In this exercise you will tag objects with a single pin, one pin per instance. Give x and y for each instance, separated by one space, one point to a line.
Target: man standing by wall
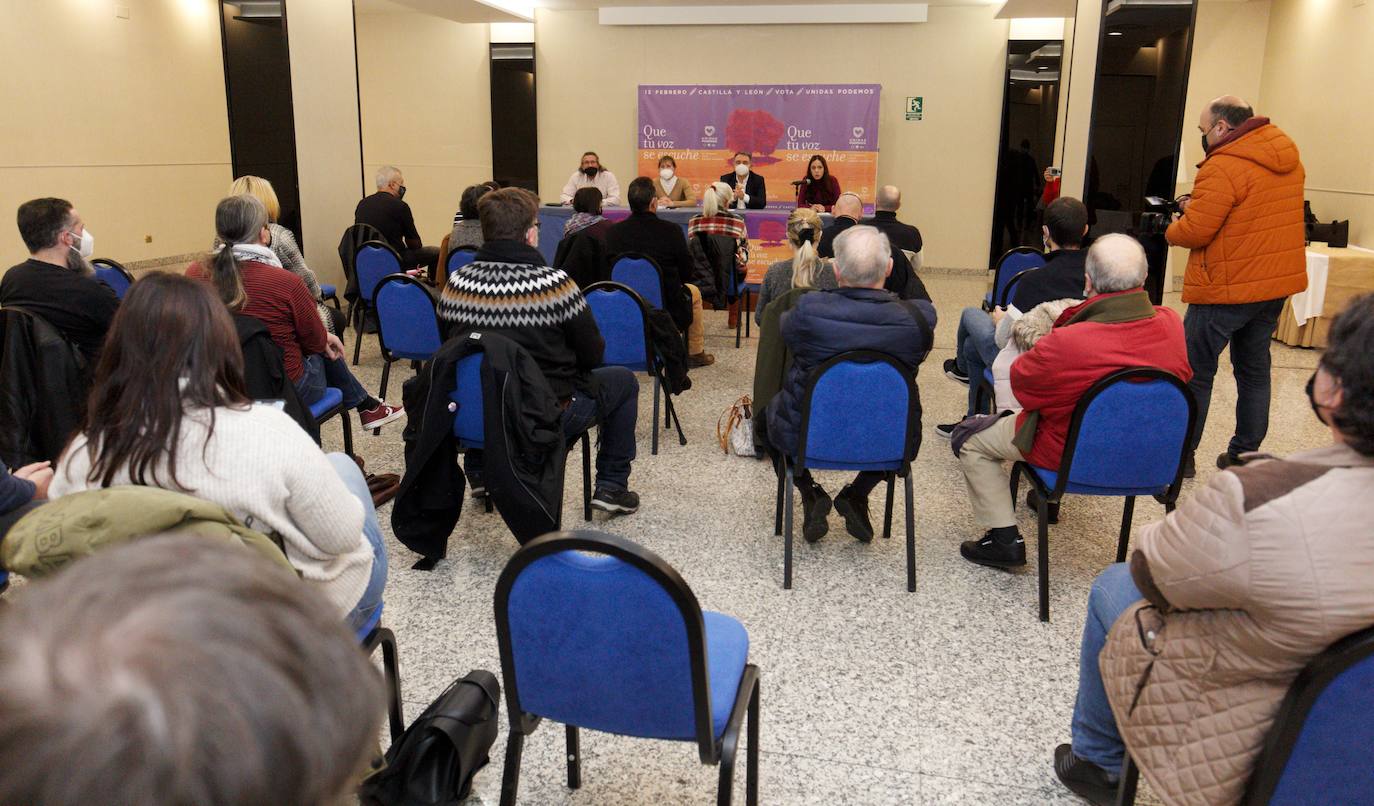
1244 225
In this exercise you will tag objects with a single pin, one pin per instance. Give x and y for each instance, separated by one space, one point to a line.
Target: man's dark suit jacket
753 188
663 241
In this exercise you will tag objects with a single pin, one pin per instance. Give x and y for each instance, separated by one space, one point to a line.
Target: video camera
1155 221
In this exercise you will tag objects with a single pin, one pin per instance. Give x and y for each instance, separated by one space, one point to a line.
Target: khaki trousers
696 332
989 487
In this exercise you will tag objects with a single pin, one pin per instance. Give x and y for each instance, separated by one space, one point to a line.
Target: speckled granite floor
871 695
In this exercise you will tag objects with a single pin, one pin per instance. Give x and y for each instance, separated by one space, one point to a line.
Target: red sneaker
380 416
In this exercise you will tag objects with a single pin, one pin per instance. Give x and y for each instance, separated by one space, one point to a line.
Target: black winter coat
266 376
44 380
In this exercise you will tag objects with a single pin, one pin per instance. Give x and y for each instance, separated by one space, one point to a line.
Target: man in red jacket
1116 328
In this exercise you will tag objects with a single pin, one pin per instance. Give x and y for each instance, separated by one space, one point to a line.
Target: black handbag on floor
433 762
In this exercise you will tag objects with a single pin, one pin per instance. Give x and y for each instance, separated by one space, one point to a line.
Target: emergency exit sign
915 107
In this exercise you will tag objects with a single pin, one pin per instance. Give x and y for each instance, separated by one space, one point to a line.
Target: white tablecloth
1309 304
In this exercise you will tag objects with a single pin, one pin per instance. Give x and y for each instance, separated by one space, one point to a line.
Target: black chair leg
347 432
391 669
386 376
586 477
1043 555
574 758
670 417
887 513
358 326
751 761
777 501
1015 483
1125 539
910 535
744 312
1130 779
729 746
787 527
510 776
654 444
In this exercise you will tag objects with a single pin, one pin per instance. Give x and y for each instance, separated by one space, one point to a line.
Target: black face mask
401 192
1205 146
590 171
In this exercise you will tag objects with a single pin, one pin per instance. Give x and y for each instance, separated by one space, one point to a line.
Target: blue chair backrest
405 312
373 262
459 258
835 438
112 277
467 422
1326 727
598 643
641 275
1012 264
1131 435
621 322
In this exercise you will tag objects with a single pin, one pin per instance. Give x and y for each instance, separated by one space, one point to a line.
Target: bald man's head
849 205
889 199
1115 263
1223 116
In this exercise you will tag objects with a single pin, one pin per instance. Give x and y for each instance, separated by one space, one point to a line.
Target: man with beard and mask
57 282
590 174
1244 225
386 211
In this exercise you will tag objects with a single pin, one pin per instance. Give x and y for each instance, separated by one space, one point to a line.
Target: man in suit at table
748 187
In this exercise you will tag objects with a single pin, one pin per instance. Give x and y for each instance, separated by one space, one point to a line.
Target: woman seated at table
169 409
804 269
719 271
818 190
670 189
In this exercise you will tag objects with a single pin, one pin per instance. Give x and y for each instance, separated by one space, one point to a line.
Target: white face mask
665 174
87 247
741 170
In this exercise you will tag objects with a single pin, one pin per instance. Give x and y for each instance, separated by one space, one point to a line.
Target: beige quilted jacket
1251 577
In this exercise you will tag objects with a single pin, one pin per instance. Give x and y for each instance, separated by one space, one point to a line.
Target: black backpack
433 762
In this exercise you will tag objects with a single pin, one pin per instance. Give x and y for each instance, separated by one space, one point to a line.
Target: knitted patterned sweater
508 290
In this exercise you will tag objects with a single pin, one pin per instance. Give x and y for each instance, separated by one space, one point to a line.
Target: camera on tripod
1157 219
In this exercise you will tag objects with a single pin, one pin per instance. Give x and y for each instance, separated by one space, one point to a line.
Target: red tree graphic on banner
755 131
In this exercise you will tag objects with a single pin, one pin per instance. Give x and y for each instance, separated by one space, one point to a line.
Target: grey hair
148 660
386 175
889 198
862 256
238 219
1116 262
1231 109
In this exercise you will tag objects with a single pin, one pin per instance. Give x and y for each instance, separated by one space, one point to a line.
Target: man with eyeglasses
1244 225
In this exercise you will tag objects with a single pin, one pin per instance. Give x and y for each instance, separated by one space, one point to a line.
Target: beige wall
944 164
95 113
324 90
1318 71
426 103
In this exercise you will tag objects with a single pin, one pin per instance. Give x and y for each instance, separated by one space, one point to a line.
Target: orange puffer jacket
1244 224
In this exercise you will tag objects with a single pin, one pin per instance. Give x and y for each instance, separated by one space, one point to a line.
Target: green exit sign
915 107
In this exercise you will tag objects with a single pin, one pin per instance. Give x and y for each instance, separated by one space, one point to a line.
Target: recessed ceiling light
1042 68
1115 33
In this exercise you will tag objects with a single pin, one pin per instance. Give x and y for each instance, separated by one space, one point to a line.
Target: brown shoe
701 360
383 487
734 315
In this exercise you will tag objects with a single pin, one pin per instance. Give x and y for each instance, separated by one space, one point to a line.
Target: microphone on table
801 182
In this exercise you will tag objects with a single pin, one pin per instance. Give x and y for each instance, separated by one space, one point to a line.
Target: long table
1334 277
767 231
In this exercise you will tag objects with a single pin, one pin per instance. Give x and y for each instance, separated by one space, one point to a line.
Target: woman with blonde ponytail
805 269
725 232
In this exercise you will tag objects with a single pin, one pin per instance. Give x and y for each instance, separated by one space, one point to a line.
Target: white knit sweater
265 470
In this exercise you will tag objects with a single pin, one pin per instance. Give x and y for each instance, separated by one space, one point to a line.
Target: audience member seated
508 290
976 345
1117 328
747 189
859 315
885 206
716 274
582 251
671 190
57 282
819 190
803 231
1017 337
902 281
590 174
467 230
251 281
169 409
21 491
1225 600
181 670
283 244
387 211
644 232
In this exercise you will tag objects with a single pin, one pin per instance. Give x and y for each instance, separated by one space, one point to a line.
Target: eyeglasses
1312 399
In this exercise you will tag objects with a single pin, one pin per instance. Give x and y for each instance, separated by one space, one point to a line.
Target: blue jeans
371 600
617 407
1247 328
1095 737
975 348
322 373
